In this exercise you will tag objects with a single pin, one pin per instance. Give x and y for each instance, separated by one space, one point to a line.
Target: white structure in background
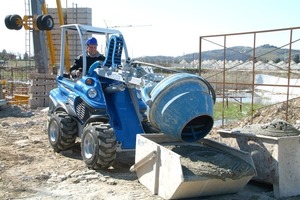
276 93
263 94
240 65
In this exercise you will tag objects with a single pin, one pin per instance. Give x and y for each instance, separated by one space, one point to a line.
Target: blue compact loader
118 98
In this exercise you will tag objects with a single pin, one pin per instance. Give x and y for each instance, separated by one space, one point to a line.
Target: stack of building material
41 85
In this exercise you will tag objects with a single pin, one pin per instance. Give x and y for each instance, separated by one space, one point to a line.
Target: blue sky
171 27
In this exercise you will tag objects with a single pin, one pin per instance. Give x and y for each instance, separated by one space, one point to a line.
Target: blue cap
92 41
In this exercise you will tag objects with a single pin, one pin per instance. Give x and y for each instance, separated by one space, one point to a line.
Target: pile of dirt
30 169
266 115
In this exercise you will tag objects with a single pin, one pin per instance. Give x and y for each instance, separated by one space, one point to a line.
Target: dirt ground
29 169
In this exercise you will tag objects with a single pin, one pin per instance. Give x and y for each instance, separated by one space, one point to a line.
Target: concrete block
37 88
36 102
38 82
42 76
40 94
48 88
276 159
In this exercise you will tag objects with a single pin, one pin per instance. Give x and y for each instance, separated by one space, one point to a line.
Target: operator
92 55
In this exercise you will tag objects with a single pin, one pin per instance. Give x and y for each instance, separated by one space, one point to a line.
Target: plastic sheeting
274 80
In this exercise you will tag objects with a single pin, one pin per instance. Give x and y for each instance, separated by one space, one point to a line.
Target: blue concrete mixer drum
181 105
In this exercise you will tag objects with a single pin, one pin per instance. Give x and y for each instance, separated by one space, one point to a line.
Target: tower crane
125 26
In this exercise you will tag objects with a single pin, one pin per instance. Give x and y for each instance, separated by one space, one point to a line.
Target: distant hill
264 53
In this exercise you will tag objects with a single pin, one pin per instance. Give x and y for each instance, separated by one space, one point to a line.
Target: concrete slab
276 159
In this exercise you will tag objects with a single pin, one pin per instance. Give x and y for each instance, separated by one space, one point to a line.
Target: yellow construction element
19 99
29 22
2 82
61 22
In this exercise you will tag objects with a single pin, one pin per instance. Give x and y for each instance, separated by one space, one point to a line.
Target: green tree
3 54
277 60
26 56
296 58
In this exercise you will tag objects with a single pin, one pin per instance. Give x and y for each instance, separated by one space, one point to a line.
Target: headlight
92 93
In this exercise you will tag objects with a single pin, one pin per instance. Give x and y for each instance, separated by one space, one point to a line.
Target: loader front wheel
62 131
98 145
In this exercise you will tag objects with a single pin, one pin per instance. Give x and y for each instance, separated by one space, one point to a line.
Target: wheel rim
89 146
49 23
53 131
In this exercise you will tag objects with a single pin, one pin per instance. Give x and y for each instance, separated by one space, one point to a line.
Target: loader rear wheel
98 145
62 131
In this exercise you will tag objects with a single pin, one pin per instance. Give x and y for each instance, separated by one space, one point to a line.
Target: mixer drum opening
197 128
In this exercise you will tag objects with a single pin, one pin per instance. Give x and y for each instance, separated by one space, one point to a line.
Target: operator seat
113 54
114 51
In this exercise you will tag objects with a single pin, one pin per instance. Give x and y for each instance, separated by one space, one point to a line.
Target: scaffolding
28 34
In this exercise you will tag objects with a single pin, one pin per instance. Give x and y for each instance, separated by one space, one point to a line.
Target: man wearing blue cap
92 55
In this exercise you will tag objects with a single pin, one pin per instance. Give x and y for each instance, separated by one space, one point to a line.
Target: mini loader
119 98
